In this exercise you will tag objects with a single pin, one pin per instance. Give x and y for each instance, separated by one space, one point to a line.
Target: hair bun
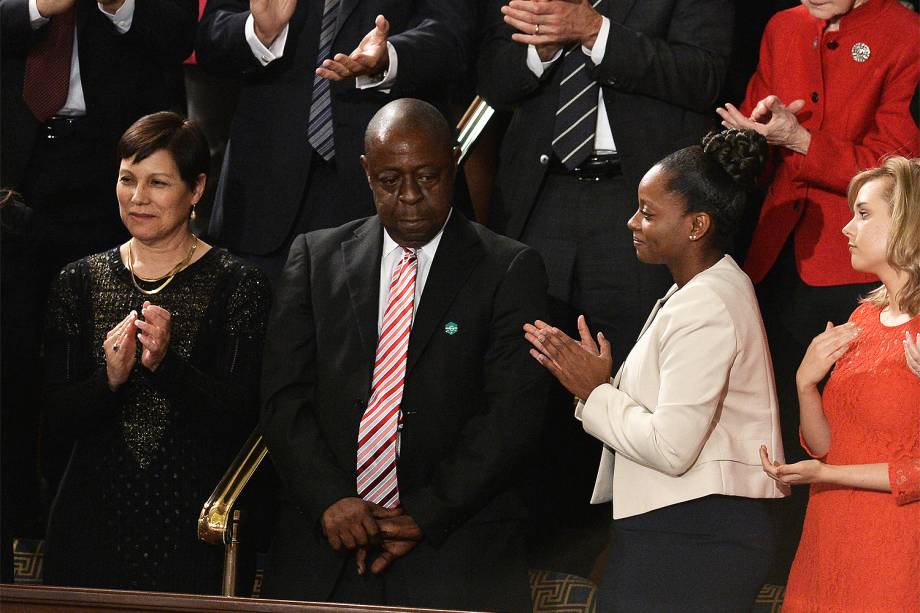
741 153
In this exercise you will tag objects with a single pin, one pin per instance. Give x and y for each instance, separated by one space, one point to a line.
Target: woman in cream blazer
683 419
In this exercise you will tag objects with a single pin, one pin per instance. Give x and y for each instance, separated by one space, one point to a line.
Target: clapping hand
119 348
823 352
912 352
772 119
550 25
269 17
50 8
580 366
371 57
154 334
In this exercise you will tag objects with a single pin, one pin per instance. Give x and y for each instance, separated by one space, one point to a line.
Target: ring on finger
536 29
115 348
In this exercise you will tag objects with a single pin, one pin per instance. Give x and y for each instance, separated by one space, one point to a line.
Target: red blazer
857 113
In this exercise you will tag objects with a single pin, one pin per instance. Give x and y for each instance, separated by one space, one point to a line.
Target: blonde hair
902 177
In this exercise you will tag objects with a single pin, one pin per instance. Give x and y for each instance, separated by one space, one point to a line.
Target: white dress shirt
75 105
603 137
267 55
392 254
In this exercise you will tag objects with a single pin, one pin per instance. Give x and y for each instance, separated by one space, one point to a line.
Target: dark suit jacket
124 76
661 76
267 163
473 405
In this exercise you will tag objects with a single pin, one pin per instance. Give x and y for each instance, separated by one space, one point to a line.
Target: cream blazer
693 402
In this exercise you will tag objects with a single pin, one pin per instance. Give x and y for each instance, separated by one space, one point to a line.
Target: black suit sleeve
221 45
492 445
166 28
504 78
297 447
687 68
436 46
16 29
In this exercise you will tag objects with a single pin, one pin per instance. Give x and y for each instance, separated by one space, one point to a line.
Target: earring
692 236
192 215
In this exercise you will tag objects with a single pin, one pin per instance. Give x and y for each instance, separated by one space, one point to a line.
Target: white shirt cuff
264 54
122 18
385 82
536 65
35 18
600 44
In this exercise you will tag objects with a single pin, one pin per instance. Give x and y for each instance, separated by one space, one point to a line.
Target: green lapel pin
451 328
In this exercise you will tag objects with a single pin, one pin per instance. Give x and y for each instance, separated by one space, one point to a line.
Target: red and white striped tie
378 430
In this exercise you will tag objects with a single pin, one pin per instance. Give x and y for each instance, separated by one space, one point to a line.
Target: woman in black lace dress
152 358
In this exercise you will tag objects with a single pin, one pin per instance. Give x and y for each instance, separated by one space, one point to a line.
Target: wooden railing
42 599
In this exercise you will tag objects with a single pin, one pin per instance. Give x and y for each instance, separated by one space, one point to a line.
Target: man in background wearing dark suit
292 161
399 449
600 90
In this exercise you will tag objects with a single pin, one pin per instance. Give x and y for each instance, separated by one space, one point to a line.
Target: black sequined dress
147 456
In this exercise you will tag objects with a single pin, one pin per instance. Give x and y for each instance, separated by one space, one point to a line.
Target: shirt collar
428 249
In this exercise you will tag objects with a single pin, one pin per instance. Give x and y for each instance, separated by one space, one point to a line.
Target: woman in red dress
860 546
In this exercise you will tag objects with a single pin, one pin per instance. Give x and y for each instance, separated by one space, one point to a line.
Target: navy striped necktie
320 132
576 114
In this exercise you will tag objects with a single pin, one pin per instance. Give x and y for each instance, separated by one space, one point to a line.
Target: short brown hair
902 178
182 138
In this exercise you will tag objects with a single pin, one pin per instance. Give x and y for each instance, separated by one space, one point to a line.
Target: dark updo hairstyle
715 178
181 137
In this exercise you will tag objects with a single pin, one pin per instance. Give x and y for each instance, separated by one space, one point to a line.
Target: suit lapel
458 253
362 255
618 10
345 9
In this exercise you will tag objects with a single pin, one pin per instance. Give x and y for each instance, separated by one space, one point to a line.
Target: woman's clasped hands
581 365
120 345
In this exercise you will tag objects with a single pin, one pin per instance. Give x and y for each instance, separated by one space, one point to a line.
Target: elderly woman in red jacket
832 94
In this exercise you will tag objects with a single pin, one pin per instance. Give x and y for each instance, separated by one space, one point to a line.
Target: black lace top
147 456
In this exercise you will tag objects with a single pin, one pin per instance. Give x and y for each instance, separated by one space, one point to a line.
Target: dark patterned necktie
576 115
320 131
47 70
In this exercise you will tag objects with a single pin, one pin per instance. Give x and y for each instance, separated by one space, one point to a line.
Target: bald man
400 402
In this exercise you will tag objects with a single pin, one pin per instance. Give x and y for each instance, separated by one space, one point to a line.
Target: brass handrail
214 522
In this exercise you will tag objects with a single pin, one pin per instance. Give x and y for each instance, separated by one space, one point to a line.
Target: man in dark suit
292 161
600 92
466 399
126 63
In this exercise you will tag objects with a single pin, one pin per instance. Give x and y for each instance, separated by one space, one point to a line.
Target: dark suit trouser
709 555
579 227
793 314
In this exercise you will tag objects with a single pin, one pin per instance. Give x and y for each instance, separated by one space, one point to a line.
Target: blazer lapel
648 322
362 255
345 9
618 10
458 253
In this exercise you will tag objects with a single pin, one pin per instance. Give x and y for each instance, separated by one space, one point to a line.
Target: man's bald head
409 114
411 163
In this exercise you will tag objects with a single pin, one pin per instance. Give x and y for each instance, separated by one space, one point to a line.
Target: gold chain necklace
168 276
